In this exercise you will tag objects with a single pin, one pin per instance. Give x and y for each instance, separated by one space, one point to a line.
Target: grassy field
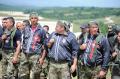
77 23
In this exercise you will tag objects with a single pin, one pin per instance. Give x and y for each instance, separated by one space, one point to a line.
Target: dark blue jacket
65 47
1 32
102 53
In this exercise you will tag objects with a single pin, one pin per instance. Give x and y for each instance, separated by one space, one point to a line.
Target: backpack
89 58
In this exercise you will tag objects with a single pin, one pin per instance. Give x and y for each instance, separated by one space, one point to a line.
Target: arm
44 48
106 58
106 54
50 41
42 57
16 54
18 44
75 48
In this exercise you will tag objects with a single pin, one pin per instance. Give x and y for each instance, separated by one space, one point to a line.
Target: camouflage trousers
9 70
59 71
45 69
89 73
0 65
116 72
29 66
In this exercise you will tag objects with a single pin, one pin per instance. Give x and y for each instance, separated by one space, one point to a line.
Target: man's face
4 23
19 26
83 30
24 24
87 29
109 28
34 20
118 37
93 29
59 29
46 29
9 24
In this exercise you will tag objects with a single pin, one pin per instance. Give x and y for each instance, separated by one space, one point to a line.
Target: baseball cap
66 24
33 14
83 26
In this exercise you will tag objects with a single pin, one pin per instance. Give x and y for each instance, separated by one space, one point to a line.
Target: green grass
77 23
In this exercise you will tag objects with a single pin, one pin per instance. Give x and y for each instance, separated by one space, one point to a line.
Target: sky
64 3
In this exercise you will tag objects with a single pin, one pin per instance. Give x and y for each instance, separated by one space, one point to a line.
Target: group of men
28 51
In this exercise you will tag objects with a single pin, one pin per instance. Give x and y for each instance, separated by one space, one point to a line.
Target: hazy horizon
64 3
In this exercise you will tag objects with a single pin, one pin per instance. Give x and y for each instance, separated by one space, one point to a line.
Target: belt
8 50
30 54
59 61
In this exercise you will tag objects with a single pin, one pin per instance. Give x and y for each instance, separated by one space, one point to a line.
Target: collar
64 34
92 36
38 26
12 29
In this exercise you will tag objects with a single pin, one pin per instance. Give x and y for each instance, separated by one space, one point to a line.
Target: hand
73 68
83 46
15 60
114 54
50 43
4 36
41 61
52 40
102 74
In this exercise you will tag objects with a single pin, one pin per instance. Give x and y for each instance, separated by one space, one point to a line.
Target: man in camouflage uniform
10 49
1 32
63 48
116 56
2 28
33 42
94 54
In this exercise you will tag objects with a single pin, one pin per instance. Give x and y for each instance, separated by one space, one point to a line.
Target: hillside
76 13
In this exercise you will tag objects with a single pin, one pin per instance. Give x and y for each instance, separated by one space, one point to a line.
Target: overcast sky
64 3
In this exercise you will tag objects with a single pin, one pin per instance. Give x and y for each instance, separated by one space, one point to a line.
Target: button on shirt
65 47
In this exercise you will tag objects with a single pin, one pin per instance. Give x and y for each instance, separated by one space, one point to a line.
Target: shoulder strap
85 37
99 37
12 36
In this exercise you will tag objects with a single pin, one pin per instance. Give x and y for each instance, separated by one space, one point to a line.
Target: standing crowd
29 51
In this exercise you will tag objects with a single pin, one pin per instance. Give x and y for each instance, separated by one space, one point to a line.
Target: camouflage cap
33 14
65 24
93 23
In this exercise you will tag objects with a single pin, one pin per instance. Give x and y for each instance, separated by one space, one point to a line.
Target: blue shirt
65 47
1 32
33 40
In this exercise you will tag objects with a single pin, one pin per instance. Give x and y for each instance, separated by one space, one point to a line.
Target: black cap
83 26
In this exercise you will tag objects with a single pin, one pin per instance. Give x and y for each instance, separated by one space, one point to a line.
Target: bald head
19 25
